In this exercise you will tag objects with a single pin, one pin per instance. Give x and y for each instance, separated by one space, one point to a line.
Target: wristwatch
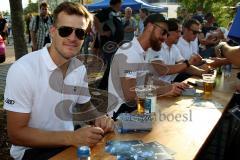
187 63
219 50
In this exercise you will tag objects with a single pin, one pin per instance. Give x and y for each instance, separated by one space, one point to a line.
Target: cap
83 151
155 18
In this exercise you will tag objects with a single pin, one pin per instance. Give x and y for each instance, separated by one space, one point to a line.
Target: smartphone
236 112
189 92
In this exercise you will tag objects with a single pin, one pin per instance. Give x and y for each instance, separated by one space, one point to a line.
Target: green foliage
31 8
221 9
5 13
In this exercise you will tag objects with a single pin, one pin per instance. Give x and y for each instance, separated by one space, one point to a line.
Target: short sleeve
125 66
154 55
18 94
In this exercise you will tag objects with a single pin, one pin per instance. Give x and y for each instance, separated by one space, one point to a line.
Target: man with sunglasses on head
130 59
42 89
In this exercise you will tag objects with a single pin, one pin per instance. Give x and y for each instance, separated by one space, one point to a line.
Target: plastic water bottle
151 96
227 70
83 153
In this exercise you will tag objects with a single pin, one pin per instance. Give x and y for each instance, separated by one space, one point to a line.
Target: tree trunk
19 42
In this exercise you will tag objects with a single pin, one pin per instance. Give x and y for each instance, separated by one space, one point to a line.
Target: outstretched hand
106 123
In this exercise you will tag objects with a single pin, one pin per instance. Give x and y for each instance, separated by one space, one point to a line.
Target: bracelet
187 63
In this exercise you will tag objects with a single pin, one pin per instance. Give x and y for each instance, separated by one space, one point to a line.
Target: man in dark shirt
3 27
110 29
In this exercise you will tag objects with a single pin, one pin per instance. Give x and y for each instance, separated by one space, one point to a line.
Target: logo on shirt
9 101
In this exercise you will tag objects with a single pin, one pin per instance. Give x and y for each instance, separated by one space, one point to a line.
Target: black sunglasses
165 32
195 32
65 31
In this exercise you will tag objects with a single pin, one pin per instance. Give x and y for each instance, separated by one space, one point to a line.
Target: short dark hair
71 8
114 2
154 18
145 10
44 4
173 24
190 22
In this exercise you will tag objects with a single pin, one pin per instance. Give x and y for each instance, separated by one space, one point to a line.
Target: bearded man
130 60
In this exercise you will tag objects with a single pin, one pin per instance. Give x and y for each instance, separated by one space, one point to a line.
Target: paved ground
4 141
10 58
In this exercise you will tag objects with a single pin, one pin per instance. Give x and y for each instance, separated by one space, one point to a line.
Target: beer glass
141 97
208 83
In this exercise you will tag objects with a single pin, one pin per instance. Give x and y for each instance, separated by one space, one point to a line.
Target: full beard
154 42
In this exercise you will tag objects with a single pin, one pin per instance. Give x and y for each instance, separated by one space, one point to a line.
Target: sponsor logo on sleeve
9 101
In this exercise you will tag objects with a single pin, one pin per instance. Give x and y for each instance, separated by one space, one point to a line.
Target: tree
20 46
31 8
221 9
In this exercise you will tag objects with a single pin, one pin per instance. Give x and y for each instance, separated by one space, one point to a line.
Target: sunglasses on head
194 32
165 32
65 31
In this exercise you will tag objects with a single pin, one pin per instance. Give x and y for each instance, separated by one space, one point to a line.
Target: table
184 134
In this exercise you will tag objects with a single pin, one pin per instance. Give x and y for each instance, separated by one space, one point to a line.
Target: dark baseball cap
155 18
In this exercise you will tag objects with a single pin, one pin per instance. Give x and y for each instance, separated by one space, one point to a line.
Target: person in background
87 41
3 27
39 84
129 24
109 26
199 14
208 38
27 21
2 50
143 13
39 28
210 24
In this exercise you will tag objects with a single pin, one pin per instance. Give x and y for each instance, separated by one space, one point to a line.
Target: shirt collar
137 46
184 41
75 62
165 46
48 59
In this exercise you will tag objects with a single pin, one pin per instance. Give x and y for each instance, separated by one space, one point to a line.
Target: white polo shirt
187 49
125 63
35 85
169 56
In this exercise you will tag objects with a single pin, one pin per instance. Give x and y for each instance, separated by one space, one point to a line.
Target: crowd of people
45 80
